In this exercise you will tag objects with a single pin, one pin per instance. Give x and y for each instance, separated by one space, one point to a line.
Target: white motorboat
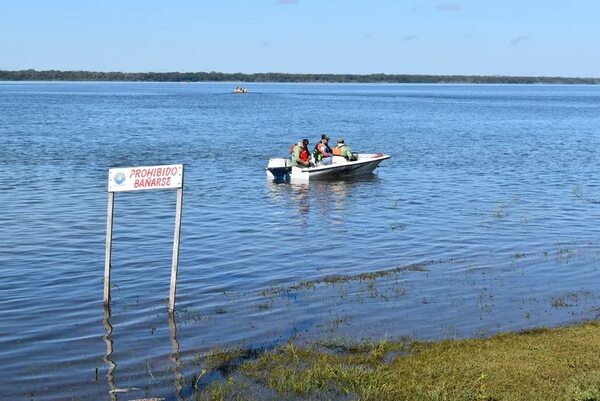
280 169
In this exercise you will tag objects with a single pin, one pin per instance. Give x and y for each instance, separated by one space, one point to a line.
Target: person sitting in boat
341 149
300 154
322 152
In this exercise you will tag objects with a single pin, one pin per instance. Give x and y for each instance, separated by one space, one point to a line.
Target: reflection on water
292 196
300 193
325 196
112 366
113 389
179 379
280 192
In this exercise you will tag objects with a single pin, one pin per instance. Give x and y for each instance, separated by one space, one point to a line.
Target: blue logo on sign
119 178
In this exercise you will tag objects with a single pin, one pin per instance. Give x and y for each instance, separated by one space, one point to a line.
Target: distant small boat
280 169
239 89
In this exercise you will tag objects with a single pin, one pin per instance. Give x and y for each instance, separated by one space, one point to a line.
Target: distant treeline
53 75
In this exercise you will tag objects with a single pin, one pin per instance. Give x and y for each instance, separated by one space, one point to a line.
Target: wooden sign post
143 178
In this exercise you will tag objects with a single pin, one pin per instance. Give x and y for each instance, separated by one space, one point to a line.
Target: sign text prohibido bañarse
136 179
150 177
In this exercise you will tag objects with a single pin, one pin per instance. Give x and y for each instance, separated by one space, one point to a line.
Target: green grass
544 364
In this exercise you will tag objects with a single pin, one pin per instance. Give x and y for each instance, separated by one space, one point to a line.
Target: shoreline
271 77
538 364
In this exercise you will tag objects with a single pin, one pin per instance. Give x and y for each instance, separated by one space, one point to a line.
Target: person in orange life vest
341 149
300 154
322 152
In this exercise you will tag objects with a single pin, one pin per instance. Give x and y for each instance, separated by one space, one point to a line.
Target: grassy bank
553 364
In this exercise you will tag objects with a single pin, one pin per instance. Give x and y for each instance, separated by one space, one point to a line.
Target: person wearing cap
322 152
341 149
300 154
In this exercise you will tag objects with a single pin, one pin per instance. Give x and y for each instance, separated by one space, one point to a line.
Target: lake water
484 220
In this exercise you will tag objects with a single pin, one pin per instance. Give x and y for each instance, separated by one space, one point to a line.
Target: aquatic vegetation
225 360
334 279
559 302
268 292
185 316
500 211
563 253
397 226
427 301
485 302
335 323
569 299
303 285
264 306
399 291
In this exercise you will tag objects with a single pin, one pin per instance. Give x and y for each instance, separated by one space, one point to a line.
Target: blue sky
482 37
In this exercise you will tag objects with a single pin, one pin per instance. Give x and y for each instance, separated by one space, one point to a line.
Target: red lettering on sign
149 182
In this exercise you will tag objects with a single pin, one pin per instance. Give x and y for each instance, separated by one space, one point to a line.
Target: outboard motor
279 169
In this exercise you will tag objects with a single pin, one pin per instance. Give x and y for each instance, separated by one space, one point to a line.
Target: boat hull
282 170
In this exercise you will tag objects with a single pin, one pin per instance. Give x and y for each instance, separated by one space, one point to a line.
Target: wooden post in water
175 261
107 255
